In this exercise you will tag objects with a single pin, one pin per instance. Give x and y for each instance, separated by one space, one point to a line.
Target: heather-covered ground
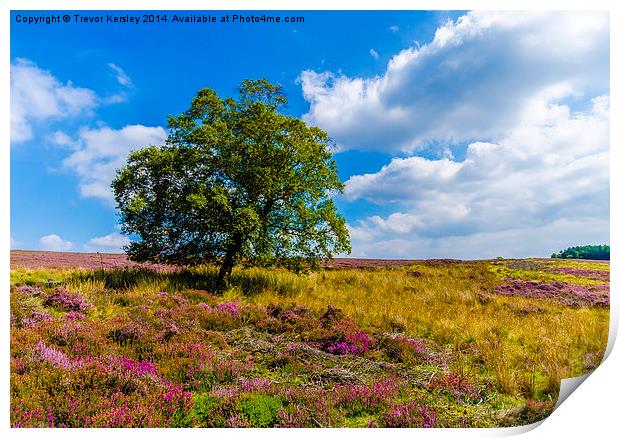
396 344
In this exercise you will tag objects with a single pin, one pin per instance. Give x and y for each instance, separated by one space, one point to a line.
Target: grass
428 321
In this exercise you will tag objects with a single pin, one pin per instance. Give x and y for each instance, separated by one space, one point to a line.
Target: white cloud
113 242
115 98
54 242
36 95
474 81
525 93
102 151
120 75
517 242
550 173
60 138
374 53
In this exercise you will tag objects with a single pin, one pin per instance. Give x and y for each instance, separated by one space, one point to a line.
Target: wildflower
69 301
53 356
230 308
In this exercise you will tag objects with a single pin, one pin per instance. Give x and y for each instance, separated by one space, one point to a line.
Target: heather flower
53 356
236 420
592 274
573 295
294 417
342 347
360 399
126 334
35 318
230 308
69 301
205 306
168 332
250 385
411 414
75 316
289 315
139 368
30 290
362 340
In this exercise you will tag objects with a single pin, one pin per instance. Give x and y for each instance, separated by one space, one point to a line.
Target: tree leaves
236 179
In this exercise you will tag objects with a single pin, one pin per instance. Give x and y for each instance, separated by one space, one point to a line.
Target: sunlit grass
526 346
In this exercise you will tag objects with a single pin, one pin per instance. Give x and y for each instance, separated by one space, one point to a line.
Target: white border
590 411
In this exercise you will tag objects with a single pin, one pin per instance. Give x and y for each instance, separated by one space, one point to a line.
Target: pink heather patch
411 414
75 316
290 315
593 274
205 307
347 339
250 385
237 420
30 290
36 318
53 356
342 347
370 396
573 295
229 307
69 301
362 340
139 368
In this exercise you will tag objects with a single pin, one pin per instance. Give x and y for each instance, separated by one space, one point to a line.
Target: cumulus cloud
100 152
120 75
524 94
53 242
113 242
60 138
551 173
36 95
516 242
473 81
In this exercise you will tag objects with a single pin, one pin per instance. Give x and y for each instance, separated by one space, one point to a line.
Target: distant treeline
590 252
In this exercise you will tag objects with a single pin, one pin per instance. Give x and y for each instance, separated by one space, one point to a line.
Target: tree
589 252
237 179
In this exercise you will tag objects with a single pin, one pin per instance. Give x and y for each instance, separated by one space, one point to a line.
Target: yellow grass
526 353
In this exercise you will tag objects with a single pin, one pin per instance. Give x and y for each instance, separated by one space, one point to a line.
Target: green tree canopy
589 252
236 179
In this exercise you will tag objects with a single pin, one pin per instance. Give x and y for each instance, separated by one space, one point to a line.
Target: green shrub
204 405
260 410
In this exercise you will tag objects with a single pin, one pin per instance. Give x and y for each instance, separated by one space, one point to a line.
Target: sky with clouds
458 134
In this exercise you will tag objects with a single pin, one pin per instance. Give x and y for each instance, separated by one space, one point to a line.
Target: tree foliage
589 252
237 179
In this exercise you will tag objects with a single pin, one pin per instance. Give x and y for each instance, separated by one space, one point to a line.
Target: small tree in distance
236 179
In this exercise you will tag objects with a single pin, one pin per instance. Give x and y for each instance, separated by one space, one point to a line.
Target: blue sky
459 134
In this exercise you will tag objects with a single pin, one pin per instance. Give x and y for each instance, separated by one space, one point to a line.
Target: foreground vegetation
433 344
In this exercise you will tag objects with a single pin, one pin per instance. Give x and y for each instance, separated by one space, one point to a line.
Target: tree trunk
228 263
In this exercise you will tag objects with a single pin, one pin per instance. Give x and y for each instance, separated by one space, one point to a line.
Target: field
97 341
